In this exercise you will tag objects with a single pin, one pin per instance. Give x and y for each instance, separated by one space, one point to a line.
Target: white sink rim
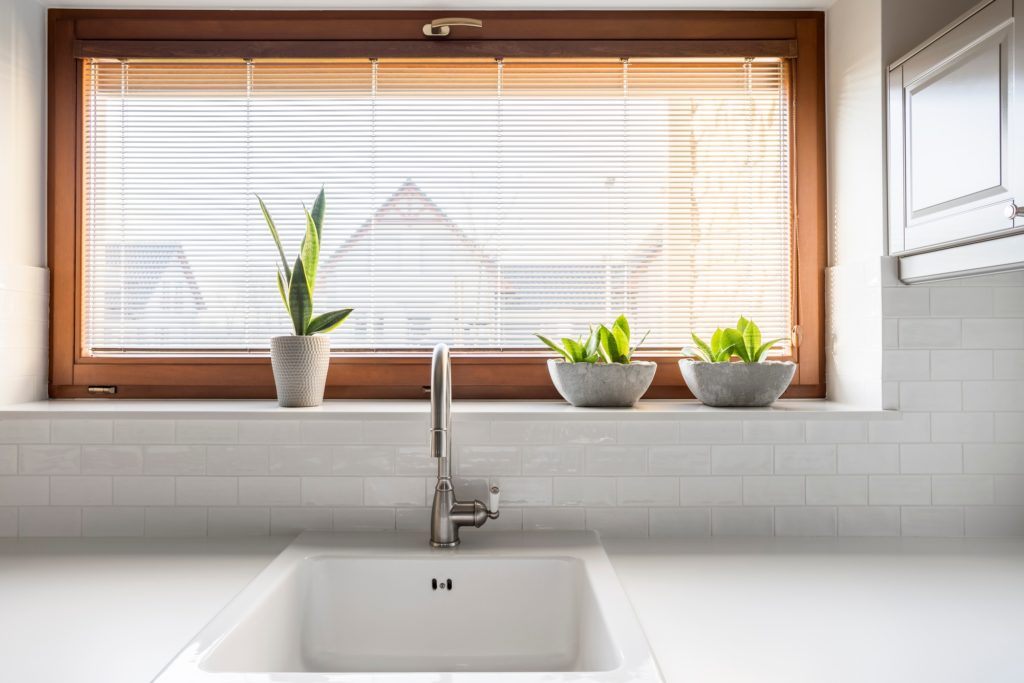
635 660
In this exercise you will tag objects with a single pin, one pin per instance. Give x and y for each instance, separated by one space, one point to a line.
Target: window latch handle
442 27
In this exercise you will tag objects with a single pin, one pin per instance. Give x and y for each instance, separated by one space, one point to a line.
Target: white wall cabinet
956 148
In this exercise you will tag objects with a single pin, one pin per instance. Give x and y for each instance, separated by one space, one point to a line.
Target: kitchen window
478 190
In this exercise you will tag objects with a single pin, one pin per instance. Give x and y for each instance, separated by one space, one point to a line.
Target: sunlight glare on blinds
471 201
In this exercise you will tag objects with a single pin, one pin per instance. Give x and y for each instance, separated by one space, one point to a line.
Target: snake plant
296 283
744 341
611 345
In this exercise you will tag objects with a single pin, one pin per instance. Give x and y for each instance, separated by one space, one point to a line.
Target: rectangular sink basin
341 608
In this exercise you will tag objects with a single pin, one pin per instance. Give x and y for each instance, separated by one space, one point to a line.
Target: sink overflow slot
441 584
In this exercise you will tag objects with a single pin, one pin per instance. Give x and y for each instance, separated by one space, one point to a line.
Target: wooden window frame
74 34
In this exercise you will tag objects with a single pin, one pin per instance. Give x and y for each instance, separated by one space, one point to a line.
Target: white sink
360 607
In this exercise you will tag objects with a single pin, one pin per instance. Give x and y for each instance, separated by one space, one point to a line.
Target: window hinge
798 333
102 390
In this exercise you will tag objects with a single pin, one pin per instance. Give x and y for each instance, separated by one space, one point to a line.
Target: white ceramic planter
601 385
300 369
735 385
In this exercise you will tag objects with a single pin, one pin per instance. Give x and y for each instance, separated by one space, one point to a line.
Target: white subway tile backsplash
50 521
364 519
184 460
554 519
175 521
711 431
522 490
679 459
963 489
638 432
338 431
773 490
962 427
995 333
901 365
300 460
648 491
206 491
995 396
994 458
394 491
898 302
519 432
238 521
395 431
1008 365
8 459
1009 489
244 460
679 522
137 431
931 458
741 459
22 431
416 460
773 431
271 491
615 460
1009 301
24 491
899 490
868 459
289 521
934 333
113 521
37 459
805 521
742 521
837 490
206 431
931 396
618 522
932 521
869 521
332 491
1009 428
560 459
711 491
994 521
81 431
488 460
908 427
8 522
268 431
134 490
962 302
365 460
585 432
845 431
79 490
805 459
584 491
111 460
950 365
413 519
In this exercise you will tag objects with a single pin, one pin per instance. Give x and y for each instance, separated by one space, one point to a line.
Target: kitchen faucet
448 514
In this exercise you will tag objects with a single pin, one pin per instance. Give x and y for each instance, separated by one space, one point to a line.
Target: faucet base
450 544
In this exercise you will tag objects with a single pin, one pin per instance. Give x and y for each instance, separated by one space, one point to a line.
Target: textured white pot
737 385
300 369
602 385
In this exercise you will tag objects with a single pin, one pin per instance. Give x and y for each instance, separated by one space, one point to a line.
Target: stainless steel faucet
448 514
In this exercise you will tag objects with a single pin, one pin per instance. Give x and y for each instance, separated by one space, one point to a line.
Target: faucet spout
448 513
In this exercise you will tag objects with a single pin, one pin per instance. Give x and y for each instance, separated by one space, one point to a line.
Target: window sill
465 409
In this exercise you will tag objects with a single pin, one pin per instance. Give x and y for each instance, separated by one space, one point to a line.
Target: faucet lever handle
492 502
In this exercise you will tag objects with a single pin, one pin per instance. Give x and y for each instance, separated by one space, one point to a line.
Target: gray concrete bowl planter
602 385
737 385
300 369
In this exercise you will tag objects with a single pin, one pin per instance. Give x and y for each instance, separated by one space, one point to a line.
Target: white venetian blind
473 201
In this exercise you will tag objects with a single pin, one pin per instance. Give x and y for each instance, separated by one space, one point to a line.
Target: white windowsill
466 409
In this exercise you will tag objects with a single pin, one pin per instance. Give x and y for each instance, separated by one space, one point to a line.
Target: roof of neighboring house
144 264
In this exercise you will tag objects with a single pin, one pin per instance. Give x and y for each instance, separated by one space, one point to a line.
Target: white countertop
822 610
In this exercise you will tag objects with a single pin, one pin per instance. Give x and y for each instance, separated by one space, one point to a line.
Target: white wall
23 277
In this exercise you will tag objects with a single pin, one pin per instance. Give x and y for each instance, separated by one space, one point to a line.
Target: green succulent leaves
296 283
743 341
610 345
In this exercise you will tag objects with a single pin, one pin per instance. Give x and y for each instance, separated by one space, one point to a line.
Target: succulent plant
743 341
611 345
